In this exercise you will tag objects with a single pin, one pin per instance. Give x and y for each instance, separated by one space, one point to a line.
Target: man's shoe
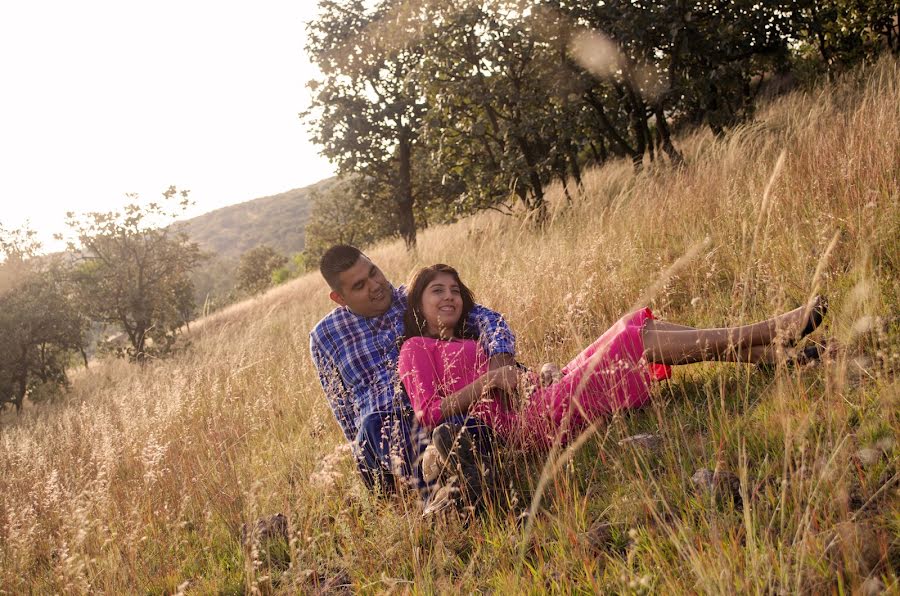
432 464
443 497
455 446
443 438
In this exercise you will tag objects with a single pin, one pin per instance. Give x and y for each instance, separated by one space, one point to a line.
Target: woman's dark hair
414 319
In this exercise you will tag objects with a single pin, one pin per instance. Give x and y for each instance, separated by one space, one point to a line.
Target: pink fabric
608 375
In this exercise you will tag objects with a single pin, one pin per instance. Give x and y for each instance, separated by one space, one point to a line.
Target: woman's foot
818 310
802 358
800 322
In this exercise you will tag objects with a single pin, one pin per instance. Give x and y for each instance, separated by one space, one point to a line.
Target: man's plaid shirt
356 357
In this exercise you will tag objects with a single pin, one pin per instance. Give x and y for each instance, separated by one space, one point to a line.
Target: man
355 348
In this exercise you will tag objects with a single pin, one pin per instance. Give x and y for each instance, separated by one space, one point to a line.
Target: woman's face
441 305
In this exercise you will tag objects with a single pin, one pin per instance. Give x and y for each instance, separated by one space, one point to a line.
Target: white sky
100 97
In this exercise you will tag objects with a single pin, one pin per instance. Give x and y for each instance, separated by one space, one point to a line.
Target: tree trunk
19 397
638 116
604 152
573 163
139 353
559 167
139 340
897 35
534 178
665 136
597 158
608 127
404 191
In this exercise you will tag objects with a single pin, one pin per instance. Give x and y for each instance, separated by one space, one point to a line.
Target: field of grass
141 479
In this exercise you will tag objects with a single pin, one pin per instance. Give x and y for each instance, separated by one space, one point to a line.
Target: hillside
227 233
276 220
142 479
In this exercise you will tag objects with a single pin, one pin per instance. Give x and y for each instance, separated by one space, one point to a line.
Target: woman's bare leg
753 355
685 347
667 326
774 356
664 344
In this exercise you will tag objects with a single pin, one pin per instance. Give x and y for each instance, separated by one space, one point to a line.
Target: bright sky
99 98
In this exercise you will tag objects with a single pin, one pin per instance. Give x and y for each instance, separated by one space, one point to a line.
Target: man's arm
501 360
339 398
495 336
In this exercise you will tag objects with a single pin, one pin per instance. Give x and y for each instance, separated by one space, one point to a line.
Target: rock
445 497
265 542
723 482
872 587
853 544
886 444
868 457
328 582
860 369
647 441
704 479
265 529
599 537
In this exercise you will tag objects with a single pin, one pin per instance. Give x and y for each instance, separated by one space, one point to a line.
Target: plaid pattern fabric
356 358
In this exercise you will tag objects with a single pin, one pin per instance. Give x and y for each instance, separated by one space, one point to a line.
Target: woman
445 371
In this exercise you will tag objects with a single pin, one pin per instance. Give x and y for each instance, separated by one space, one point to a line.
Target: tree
257 267
40 326
353 211
693 60
441 109
845 31
134 273
492 124
367 108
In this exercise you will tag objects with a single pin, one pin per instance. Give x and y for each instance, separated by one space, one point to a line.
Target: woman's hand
502 381
505 380
550 374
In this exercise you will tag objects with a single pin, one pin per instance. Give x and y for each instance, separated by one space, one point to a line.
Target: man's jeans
389 449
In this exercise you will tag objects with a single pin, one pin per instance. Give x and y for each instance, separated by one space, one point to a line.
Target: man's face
364 289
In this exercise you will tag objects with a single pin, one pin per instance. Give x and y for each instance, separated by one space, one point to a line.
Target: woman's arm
503 379
418 374
459 402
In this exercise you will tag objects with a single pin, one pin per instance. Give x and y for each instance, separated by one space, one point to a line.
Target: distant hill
277 220
227 233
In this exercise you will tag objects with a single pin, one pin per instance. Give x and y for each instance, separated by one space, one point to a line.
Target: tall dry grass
141 479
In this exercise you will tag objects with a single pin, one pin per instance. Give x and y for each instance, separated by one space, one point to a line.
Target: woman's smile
442 305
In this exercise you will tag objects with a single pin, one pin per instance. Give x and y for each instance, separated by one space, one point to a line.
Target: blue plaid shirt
356 357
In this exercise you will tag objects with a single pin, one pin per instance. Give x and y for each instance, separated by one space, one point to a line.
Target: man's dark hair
335 261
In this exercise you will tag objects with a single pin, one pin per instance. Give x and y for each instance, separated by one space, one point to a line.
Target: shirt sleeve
339 398
494 334
418 375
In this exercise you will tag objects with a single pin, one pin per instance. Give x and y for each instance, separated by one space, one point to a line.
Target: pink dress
608 375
